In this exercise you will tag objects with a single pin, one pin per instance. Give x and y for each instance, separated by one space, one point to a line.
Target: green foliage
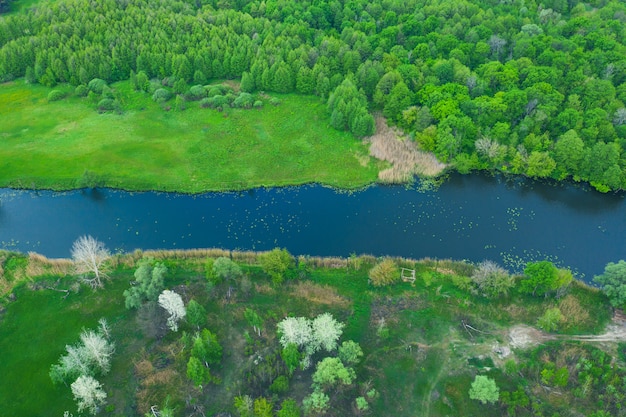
81 90
543 277
316 403
348 109
55 95
161 95
97 85
550 320
350 352
613 282
384 273
197 372
262 407
196 314
225 269
277 263
206 348
149 282
280 385
330 372
491 280
484 389
289 408
291 356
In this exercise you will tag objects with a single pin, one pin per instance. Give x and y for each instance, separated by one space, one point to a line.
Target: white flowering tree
173 304
90 256
88 394
90 357
296 330
97 350
326 332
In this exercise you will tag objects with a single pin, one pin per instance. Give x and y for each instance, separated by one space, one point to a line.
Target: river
468 217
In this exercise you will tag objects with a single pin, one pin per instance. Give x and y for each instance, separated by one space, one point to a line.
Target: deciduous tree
173 304
90 256
484 389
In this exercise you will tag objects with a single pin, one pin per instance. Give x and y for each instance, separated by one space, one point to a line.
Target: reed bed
40 265
389 144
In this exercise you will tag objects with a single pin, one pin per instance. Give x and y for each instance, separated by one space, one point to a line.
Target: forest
525 87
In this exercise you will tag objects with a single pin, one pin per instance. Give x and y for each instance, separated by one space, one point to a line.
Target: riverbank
67 144
422 342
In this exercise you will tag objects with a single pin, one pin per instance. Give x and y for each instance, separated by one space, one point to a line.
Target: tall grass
406 160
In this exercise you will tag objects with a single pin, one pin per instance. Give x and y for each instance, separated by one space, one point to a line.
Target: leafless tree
90 256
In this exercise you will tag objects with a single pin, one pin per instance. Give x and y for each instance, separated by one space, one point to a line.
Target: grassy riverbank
423 343
67 144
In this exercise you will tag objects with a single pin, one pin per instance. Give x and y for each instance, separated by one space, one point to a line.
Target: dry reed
40 265
391 145
319 294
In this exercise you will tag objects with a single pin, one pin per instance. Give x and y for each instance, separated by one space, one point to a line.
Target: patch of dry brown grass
388 144
573 312
40 265
319 294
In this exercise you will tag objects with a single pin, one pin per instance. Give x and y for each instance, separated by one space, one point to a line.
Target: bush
55 95
384 273
96 85
107 104
205 103
275 101
245 100
161 95
217 101
81 90
280 385
276 263
257 104
220 90
196 92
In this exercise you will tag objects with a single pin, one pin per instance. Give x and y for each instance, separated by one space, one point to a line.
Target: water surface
468 217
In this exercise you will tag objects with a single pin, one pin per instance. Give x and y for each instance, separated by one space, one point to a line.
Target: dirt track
522 336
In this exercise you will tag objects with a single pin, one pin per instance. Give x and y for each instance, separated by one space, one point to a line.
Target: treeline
528 87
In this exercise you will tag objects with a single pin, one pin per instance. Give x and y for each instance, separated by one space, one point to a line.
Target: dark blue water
468 217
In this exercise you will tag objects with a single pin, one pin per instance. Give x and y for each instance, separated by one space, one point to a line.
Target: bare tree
89 256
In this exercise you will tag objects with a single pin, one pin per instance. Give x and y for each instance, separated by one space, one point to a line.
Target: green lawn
52 145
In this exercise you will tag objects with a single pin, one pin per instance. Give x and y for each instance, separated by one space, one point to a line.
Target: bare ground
391 145
522 336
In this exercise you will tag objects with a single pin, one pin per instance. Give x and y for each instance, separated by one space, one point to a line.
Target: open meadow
68 144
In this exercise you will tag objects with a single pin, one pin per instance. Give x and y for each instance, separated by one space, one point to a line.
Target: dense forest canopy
528 87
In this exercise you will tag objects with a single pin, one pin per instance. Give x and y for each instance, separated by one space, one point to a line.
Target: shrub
161 95
96 85
245 100
221 90
276 263
81 90
384 273
107 104
205 103
257 104
274 101
550 319
491 280
196 92
280 385
55 95
484 389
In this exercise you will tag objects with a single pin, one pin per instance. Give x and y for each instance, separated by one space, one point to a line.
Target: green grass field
67 144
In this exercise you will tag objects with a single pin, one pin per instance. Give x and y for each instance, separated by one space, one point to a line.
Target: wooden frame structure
408 275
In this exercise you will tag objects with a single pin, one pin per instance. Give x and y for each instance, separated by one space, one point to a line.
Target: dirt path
522 336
